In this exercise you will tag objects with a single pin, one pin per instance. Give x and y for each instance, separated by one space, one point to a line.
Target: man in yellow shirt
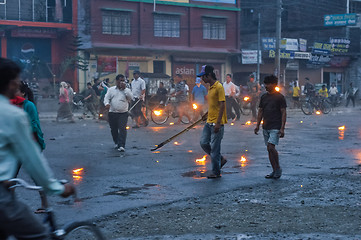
296 96
214 128
323 92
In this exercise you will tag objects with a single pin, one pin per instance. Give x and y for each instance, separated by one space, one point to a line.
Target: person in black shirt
162 93
272 109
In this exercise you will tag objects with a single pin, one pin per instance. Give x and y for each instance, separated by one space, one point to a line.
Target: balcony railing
36 10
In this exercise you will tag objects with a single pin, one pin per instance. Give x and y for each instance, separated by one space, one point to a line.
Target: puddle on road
127 191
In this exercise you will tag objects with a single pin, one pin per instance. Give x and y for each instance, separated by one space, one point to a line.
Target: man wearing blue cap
199 96
214 128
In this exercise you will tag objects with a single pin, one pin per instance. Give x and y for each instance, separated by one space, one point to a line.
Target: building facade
162 37
36 34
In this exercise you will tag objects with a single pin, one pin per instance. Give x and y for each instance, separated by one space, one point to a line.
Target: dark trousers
17 220
352 98
118 124
231 103
254 101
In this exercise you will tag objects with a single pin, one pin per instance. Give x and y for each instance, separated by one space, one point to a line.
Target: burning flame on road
318 112
277 89
232 124
127 128
243 161
172 123
176 143
246 99
190 151
77 175
78 171
195 106
342 128
202 161
248 123
157 112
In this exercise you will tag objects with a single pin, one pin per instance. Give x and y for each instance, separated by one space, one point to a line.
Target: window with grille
166 25
116 23
214 28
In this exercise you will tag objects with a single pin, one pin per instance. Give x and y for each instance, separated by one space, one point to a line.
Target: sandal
269 176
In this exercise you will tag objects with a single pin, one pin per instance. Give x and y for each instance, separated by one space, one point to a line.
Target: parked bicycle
81 230
316 103
160 113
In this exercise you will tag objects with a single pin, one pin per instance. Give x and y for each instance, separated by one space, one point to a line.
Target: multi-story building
165 37
310 48
37 34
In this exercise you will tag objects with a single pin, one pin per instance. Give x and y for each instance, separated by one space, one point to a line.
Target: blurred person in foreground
272 110
18 147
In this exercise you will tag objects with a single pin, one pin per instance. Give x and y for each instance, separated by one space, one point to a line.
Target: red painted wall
191 34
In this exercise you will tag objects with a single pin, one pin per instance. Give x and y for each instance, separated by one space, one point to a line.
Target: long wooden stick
180 133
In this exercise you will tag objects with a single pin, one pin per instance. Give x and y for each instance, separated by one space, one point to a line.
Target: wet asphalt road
115 183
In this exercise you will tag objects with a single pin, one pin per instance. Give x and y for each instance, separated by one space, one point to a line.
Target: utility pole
278 39
347 11
259 47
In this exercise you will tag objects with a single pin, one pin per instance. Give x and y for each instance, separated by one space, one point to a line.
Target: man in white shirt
17 146
117 101
333 94
230 91
138 90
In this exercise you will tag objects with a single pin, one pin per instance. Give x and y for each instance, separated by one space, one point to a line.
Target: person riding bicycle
309 89
323 92
18 147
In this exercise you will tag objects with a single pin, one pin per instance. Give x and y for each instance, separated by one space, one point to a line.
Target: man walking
350 93
138 91
333 94
214 128
230 91
272 109
17 147
254 90
89 100
117 101
199 96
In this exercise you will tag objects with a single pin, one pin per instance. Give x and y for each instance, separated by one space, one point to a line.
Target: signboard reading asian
340 20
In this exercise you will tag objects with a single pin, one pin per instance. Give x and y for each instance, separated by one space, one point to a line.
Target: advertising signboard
283 54
250 56
107 64
303 44
336 20
268 43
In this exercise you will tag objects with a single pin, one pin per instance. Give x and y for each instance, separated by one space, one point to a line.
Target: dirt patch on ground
319 206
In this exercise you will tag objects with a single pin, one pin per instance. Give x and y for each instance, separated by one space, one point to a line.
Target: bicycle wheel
326 107
245 108
159 115
307 108
82 231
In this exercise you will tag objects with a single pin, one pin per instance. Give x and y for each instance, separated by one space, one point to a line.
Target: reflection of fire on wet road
77 175
341 132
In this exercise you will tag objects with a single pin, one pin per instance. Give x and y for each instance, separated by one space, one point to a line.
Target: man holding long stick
214 128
